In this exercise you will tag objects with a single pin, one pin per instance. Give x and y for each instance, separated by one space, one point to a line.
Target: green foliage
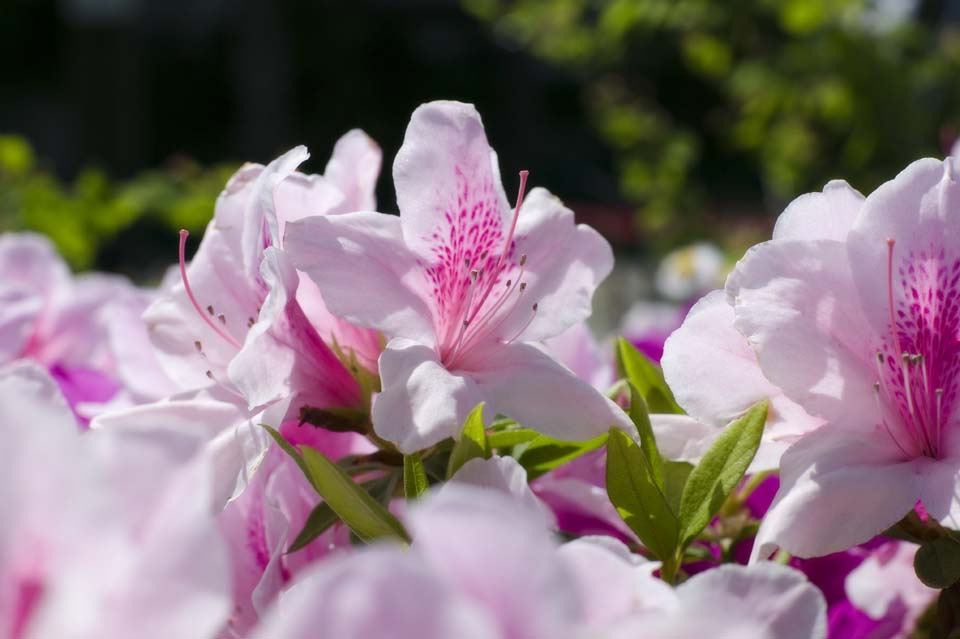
472 442
748 100
639 497
937 562
414 477
85 215
365 517
719 471
646 378
669 504
543 454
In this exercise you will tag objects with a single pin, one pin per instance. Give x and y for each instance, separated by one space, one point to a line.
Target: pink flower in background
85 330
860 328
488 567
103 535
463 288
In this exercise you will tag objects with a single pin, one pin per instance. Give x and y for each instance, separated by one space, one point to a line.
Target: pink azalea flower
463 288
102 536
708 346
239 302
85 330
234 331
488 567
855 320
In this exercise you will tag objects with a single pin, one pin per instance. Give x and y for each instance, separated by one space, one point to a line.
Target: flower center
919 360
477 286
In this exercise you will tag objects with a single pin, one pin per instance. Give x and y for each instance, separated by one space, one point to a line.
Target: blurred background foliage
658 121
707 103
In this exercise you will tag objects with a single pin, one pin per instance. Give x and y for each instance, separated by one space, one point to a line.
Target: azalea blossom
855 320
712 368
84 330
489 568
463 287
103 535
234 330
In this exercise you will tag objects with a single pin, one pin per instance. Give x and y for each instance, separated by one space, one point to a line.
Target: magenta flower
857 321
463 287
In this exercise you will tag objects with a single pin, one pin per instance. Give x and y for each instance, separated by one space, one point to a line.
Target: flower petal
522 382
920 210
421 402
828 215
283 355
444 173
821 476
365 273
354 167
715 376
505 475
796 304
564 265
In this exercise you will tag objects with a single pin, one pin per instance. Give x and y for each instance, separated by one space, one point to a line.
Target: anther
509 283
198 346
523 286
523 259
223 320
193 300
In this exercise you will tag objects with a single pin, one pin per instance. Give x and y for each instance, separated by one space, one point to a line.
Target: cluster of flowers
341 423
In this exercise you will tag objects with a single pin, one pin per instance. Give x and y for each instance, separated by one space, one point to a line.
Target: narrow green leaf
647 377
675 475
937 562
637 498
719 471
472 442
508 438
543 454
320 519
648 443
414 476
290 450
358 510
322 516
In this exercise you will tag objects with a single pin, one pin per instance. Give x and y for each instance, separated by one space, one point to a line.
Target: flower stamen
193 300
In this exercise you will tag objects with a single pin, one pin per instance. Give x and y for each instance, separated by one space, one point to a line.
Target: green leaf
322 516
508 438
358 510
472 443
290 450
414 476
543 454
320 519
675 475
719 471
634 366
637 498
648 443
937 562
